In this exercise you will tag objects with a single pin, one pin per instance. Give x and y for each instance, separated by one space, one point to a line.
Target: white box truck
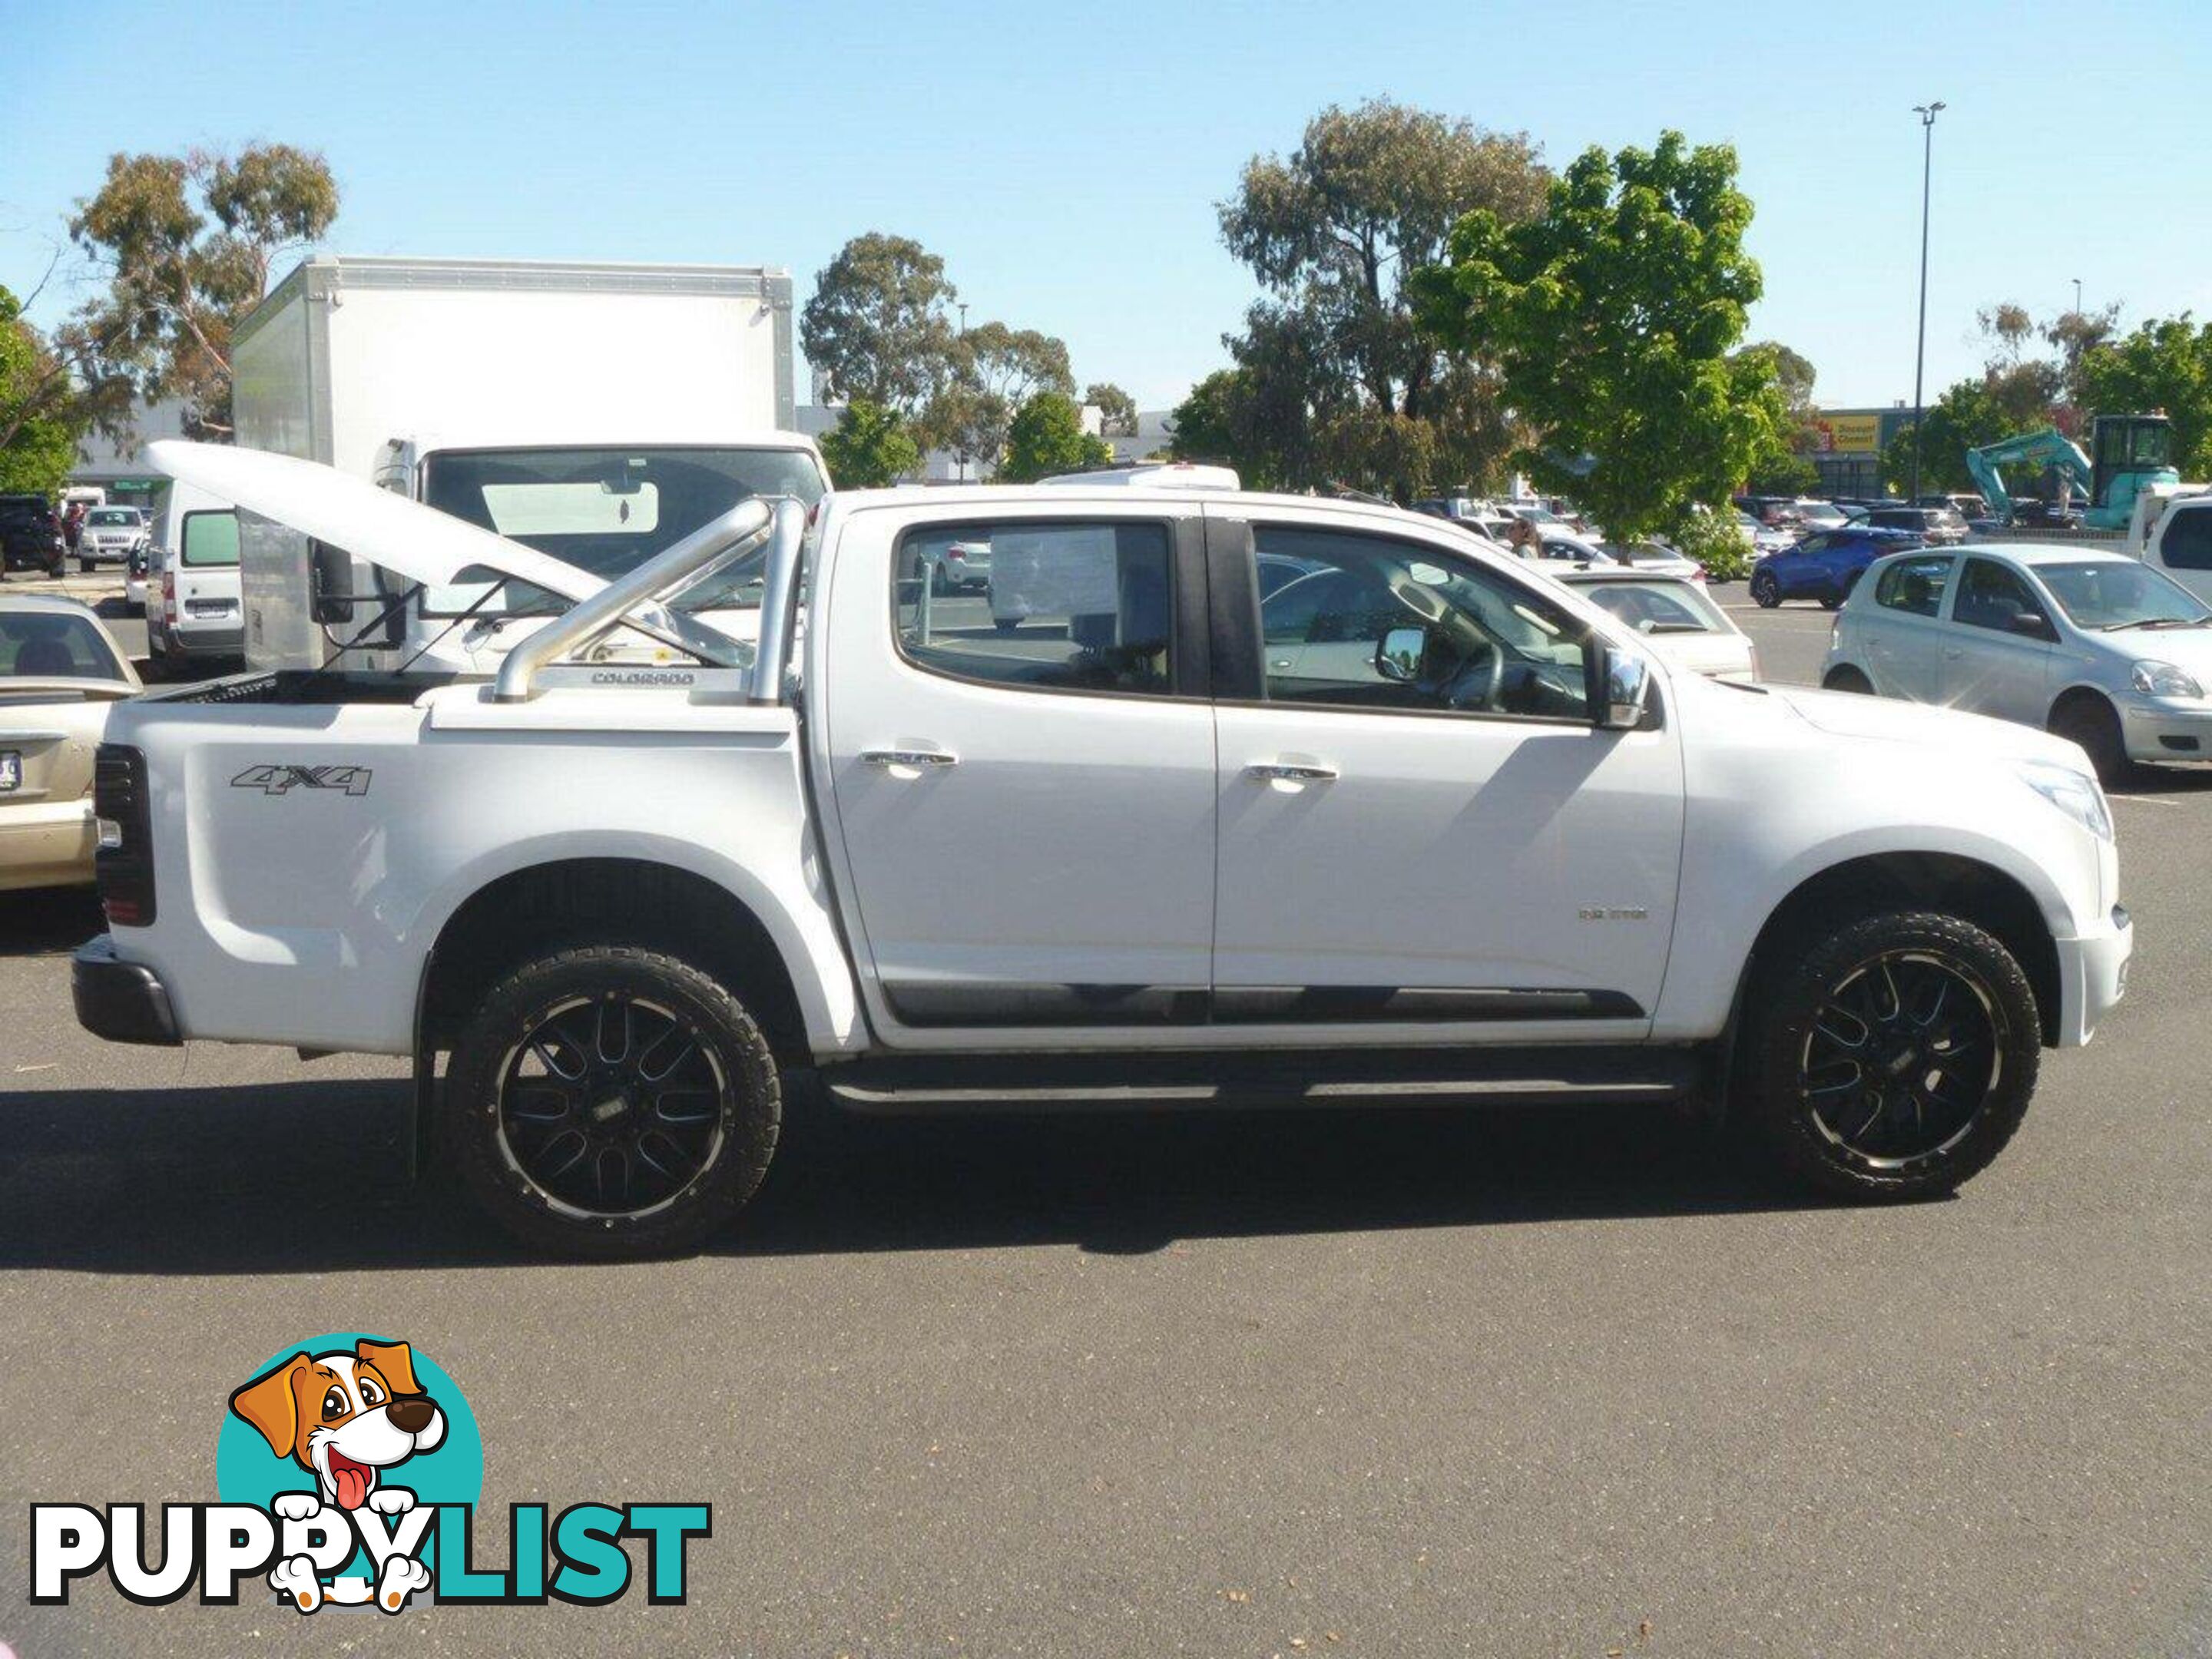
600 413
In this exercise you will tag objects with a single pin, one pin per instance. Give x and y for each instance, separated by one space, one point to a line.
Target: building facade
1847 448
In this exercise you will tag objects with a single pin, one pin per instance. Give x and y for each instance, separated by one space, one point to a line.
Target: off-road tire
1795 980
473 1145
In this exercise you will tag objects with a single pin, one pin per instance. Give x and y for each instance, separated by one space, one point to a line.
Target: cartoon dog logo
345 1418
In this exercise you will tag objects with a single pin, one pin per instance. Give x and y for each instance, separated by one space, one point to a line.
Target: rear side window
210 538
1914 586
1052 607
2187 543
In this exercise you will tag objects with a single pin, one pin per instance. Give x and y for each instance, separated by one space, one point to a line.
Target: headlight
2163 679
2074 793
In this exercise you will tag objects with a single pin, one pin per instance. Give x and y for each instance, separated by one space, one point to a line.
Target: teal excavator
2133 454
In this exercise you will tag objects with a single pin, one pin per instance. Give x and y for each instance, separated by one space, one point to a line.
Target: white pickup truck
1260 796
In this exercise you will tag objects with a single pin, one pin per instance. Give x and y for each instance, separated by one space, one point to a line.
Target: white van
193 606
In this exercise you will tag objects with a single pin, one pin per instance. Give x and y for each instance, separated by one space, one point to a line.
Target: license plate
208 607
11 769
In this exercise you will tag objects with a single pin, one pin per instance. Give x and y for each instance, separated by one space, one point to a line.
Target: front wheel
610 1101
1893 1055
2090 720
1765 592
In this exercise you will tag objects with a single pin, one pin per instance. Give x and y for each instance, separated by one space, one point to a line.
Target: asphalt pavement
1331 1383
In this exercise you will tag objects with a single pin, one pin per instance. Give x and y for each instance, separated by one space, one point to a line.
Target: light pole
2077 296
1927 113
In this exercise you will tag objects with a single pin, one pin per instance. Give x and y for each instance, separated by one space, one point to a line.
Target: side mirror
2030 625
1398 659
1627 687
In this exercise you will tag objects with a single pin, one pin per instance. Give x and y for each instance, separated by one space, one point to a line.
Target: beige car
60 673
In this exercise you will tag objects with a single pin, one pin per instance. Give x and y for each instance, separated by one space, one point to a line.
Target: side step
1554 1075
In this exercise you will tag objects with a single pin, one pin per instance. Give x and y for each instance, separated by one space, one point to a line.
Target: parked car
1936 525
958 567
61 673
1657 558
2087 643
1821 515
195 610
1765 537
1777 512
137 583
1965 506
109 535
1825 566
30 535
1675 617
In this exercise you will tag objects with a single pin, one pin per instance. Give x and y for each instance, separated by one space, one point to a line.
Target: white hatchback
2085 642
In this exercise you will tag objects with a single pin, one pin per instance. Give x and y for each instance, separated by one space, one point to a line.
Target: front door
1421 824
1023 775
1991 665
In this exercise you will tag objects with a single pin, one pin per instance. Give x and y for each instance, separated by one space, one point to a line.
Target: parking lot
1338 1383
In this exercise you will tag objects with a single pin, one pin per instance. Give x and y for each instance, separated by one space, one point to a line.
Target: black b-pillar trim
1232 575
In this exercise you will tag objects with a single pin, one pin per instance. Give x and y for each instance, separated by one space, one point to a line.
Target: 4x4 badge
282 779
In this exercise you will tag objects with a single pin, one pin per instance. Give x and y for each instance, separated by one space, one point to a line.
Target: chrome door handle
1290 772
916 758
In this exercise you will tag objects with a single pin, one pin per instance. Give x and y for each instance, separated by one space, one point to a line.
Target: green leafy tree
1214 423
879 325
870 447
1781 466
1117 408
992 370
43 410
1343 384
1612 317
187 244
1047 436
2164 364
1969 415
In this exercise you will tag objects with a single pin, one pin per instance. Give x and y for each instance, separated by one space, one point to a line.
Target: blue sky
1064 160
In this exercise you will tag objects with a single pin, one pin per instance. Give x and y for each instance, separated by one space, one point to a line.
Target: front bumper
120 1000
2092 977
2156 729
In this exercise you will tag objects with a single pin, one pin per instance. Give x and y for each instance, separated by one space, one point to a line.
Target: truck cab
1258 797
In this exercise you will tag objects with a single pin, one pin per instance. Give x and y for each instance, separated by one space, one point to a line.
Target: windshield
44 645
607 512
1657 607
2110 595
112 517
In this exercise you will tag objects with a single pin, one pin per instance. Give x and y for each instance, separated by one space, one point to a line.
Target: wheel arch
557 901
1992 899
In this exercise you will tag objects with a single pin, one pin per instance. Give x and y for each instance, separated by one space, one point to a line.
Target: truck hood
1850 714
417 542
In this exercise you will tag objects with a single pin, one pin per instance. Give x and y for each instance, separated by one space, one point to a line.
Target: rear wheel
610 1101
1765 592
2094 724
84 568
1893 1055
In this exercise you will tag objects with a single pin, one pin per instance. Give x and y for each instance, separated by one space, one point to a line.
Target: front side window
1914 586
1060 607
2187 542
1992 596
1378 623
210 538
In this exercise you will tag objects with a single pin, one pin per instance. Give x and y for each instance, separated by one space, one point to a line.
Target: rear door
1433 843
200 580
1022 780
2184 549
1904 634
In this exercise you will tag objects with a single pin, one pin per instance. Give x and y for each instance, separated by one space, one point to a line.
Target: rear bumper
192 642
120 1000
2092 977
46 845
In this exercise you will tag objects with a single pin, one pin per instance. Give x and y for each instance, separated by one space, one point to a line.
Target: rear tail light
169 597
123 865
